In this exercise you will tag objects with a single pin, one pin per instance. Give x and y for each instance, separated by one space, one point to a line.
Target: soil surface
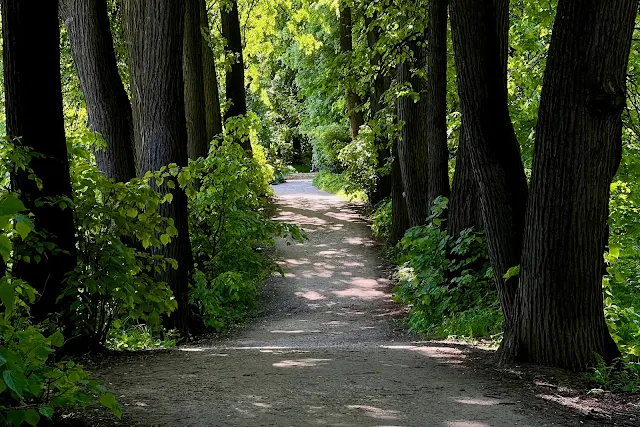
328 351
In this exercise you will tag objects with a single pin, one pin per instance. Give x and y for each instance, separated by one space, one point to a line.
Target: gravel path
325 353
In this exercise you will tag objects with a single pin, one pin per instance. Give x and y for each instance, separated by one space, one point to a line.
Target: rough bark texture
154 30
356 118
33 100
399 215
108 106
578 150
235 76
193 71
480 39
211 92
464 203
381 83
413 145
436 102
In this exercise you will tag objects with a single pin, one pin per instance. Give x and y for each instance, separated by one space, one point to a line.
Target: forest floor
330 350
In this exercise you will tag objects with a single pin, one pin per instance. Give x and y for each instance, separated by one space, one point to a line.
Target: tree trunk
464 203
381 83
480 40
356 118
436 102
413 146
108 106
155 31
195 113
235 75
211 92
34 119
399 215
578 150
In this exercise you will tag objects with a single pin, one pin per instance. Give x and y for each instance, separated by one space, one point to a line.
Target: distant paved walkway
324 354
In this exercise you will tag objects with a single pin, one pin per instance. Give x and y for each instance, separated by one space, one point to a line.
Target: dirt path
324 354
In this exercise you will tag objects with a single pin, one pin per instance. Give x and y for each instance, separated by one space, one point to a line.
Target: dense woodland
497 145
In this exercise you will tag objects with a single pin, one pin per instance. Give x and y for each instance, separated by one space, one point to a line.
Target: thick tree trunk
194 99
235 76
399 215
34 117
413 145
578 150
436 102
108 106
480 38
464 203
211 92
155 34
381 83
356 118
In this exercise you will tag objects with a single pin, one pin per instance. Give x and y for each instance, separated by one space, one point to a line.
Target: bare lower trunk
211 91
399 216
464 203
356 118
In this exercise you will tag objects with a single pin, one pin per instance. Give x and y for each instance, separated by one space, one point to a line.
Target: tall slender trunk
211 91
436 102
399 216
155 31
108 106
194 98
464 203
381 83
235 75
578 151
480 31
356 118
413 146
34 118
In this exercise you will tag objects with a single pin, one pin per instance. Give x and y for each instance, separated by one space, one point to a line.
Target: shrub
381 217
327 142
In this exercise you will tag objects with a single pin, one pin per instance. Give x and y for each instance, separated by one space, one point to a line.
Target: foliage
447 282
328 141
339 185
625 377
381 219
33 382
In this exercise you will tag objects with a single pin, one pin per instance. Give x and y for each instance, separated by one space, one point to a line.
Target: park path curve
326 352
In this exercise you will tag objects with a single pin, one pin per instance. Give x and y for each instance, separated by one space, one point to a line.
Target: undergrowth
338 185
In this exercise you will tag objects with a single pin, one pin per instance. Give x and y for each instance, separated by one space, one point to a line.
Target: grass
338 185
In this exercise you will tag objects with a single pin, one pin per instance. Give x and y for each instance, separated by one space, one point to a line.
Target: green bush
448 283
381 219
337 184
327 142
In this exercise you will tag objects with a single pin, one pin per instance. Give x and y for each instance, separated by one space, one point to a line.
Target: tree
399 215
34 119
108 106
413 146
356 118
194 95
464 202
211 92
155 31
578 151
436 102
235 74
480 31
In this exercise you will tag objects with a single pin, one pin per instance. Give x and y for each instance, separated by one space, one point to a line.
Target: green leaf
165 239
5 247
108 400
15 417
11 205
512 272
7 295
23 228
32 417
132 212
13 382
57 339
46 412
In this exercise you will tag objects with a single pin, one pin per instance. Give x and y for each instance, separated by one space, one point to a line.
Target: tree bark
108 106
193 69
381 83
413 145
235 75
480 32
211 92
436 102
155 31
356 118
464 203
578 150
34 119
399 215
